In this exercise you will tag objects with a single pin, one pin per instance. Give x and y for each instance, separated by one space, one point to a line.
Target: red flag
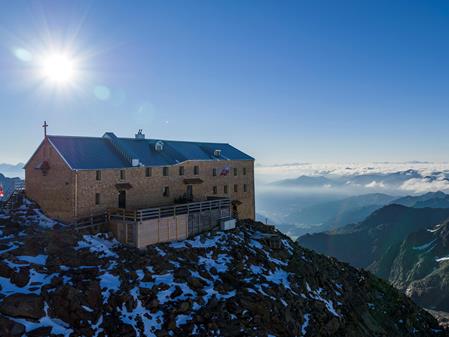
2 193
225 171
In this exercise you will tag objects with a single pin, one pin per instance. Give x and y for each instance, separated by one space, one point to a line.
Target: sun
58 68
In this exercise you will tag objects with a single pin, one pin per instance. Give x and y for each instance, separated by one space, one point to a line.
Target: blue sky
286 81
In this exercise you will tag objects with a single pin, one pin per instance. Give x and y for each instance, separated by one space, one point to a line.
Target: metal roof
109 151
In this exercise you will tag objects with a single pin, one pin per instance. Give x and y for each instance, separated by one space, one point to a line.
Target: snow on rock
57 326
206 241
99 243
43 220
152 322
109 283
214 284
38 259
182 319
305 324
316 294
279 276
426 246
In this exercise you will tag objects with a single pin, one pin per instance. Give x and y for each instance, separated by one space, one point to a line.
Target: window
181 170
235 171
148 172
244 171
165 171
225 189
166 191
98 173
196 170
97 198
236 188
214 172
245 188
122 174
215 190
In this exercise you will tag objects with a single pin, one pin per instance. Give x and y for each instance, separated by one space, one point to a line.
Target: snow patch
109 283
305 324
98 244
38 259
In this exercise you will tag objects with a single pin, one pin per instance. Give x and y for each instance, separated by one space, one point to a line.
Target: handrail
167 211
90 221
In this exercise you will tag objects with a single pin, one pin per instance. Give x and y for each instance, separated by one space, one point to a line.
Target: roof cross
45 128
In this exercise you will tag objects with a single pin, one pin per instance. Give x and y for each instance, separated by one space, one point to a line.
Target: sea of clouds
424 176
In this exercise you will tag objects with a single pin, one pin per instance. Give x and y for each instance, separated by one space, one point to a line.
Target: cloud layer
400 178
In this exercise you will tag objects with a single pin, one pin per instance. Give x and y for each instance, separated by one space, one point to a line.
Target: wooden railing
168 211
91 221
122 214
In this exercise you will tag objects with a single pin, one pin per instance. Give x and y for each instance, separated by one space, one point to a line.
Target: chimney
140 135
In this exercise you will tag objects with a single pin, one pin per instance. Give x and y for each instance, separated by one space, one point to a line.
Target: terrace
147 226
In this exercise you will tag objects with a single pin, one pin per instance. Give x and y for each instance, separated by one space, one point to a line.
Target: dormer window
217 153
159 146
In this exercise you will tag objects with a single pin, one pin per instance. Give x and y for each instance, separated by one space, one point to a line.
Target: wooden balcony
144 227
140 215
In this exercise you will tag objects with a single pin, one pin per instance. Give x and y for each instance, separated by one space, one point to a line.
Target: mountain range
394 179
408 246
334 214
12 170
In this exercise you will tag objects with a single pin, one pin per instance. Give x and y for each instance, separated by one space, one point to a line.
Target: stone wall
66 195
148 191
54 192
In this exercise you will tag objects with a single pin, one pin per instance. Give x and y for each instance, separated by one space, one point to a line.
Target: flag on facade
225 171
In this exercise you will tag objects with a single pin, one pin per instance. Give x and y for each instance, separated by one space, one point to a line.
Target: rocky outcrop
10 328
235 283
23 306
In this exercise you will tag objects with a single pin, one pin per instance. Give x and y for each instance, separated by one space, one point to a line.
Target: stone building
75 177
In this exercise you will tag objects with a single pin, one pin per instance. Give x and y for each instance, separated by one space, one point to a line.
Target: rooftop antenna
45 128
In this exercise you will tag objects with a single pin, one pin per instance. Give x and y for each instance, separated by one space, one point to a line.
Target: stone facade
67 195
54 191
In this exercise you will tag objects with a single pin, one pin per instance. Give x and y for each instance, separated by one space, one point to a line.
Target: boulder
10 328
23 306
21 278
5 271
40 332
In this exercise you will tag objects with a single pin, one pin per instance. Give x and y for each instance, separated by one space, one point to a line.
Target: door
235 211
122 199
189 193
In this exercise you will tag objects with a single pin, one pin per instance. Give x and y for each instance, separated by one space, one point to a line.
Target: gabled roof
109 151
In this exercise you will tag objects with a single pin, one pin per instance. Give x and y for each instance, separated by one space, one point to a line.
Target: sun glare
58 69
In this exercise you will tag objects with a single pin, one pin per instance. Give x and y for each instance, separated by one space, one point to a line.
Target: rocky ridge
57 282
